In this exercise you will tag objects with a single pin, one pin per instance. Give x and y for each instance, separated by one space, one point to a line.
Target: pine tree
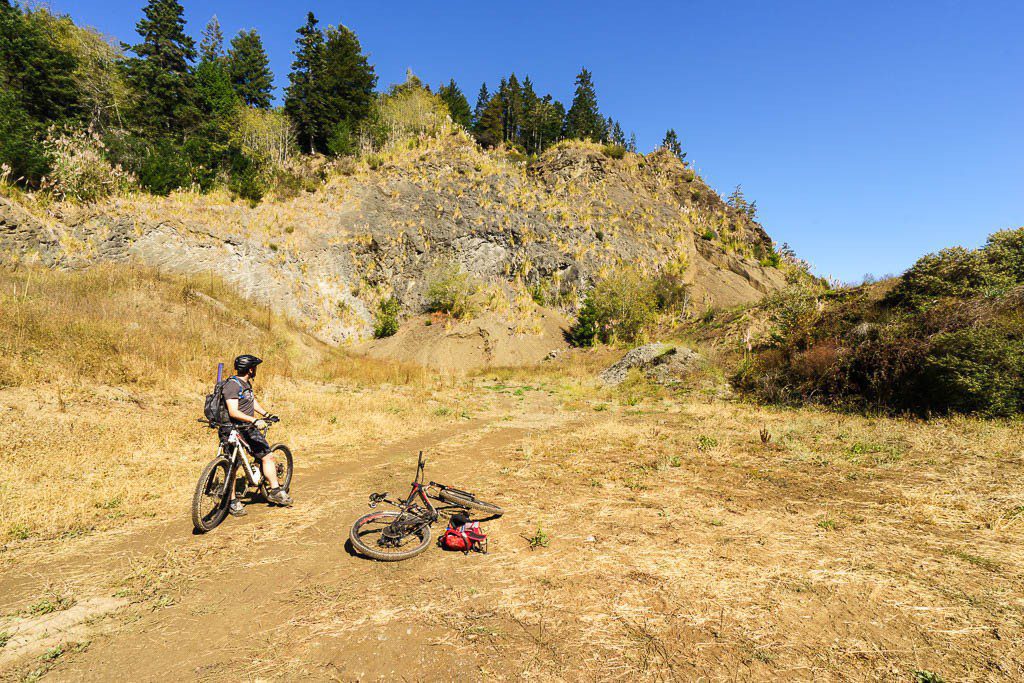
458 105
739 202
37 89
616 135
250 69
584 120
482 98
631 145
34 68
528 111
671 143
159 73
211 47
488 129
347 82
304 97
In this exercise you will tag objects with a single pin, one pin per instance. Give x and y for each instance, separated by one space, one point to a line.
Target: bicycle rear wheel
386 536
210 501
469 501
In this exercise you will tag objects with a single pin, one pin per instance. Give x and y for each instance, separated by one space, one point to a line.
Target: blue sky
868 132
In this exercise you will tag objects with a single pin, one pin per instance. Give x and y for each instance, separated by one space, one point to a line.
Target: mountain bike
213 492
390 535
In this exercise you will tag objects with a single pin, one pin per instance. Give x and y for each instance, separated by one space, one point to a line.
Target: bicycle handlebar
273 419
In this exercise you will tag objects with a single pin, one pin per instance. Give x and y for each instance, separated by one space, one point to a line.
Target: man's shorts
256 442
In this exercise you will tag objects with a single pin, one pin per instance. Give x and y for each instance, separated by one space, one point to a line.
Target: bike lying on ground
213 492
390 535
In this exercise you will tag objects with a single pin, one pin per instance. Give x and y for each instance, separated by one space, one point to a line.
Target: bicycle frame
238 455
418 490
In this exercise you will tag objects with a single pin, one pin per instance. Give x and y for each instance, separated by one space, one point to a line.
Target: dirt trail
232 603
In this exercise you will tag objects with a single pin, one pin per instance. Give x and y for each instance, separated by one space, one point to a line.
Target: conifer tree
211 47
616 135
671 143
37 88
488 130
458 105
347 82
249 69
482 98
631 145
739 202
160 73
304 97
584 120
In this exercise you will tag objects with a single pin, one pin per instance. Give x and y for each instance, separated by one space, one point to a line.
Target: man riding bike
243 408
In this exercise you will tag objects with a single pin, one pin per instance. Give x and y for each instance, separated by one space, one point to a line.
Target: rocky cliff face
326 258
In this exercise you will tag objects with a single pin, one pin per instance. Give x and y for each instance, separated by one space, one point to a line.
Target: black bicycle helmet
246 361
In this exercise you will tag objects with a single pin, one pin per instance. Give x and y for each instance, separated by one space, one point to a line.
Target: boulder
661 362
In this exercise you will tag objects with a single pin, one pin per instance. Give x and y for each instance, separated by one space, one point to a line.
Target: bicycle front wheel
283 464
469 501
389 536
210 501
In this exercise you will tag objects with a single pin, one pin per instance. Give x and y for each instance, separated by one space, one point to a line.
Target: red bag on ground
464 536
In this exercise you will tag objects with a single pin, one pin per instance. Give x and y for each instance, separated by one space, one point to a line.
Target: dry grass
683 546
102 377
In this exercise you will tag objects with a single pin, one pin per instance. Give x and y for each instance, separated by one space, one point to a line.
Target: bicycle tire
209 521
365 549
284 469
470 501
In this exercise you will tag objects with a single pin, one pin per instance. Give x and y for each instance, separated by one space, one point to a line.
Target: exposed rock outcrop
328 257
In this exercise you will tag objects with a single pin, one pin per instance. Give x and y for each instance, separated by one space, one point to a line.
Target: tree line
169 114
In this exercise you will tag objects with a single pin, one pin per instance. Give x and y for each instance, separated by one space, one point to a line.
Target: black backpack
215 409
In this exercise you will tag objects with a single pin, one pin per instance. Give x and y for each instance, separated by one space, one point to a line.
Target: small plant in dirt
5 637
54 602
19 532
827 524
386 324
925 676
766 436
706 443
539 539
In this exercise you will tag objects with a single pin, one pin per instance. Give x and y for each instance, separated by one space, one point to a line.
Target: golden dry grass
102 377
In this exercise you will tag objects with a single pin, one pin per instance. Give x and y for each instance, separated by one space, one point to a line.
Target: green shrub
387 318
954 272
614 151
342 142
247 180
160 167
20 149
1005 252
449 290
584 330
975 370
619 309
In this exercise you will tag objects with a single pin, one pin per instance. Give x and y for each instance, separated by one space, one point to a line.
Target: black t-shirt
240 389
